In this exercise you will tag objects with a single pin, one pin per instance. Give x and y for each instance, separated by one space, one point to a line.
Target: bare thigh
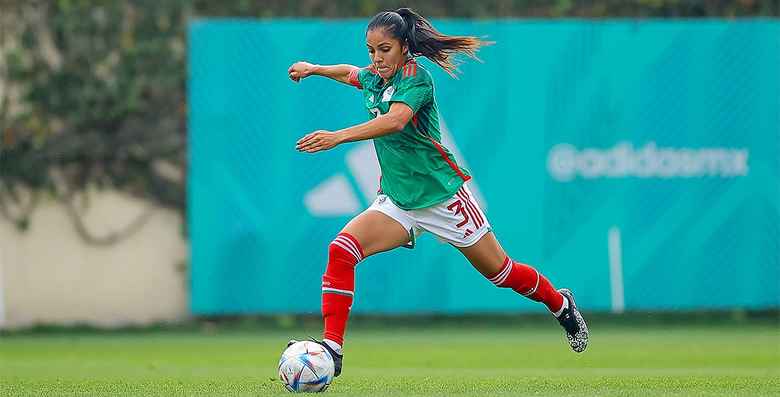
486 255
376 232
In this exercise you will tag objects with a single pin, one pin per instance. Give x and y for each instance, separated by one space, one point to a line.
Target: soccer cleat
571 320
337 358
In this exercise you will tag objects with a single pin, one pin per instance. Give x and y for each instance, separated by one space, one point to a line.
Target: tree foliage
100 101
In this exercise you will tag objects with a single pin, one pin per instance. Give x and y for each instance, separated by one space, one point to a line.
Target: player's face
386 52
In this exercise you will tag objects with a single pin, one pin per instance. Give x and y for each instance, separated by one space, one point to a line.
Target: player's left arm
392 121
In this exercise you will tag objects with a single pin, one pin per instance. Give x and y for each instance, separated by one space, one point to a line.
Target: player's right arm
340 73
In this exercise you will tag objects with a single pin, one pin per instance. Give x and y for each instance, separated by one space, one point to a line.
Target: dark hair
412 29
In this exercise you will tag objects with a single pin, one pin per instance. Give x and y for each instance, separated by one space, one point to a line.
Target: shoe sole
579 342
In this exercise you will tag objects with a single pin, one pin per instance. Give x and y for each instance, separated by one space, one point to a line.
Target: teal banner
635 162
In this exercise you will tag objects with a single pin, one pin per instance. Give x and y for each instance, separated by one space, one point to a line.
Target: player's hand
317 141
300 70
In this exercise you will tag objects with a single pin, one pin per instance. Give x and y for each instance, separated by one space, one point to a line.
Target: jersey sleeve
415 89
357 77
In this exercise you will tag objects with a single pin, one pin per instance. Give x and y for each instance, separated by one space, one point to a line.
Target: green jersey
417 170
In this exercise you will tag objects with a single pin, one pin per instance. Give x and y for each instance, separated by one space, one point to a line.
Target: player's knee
345 248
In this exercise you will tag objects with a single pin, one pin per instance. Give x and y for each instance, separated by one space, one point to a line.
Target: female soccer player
422 188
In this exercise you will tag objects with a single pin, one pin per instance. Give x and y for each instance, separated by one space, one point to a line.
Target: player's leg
376 232
487 256
369 233
461 222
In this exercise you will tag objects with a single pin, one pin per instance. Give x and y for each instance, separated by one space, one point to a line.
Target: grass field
656 360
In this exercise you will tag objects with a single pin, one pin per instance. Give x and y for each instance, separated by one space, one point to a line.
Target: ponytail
423 39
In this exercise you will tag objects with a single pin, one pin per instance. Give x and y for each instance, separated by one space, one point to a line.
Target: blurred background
628 149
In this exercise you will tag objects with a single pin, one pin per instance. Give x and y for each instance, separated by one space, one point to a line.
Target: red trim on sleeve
447 159
354 80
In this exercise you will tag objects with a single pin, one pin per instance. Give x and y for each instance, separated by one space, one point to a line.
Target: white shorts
458 221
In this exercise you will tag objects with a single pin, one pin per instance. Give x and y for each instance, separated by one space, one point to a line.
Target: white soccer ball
306 367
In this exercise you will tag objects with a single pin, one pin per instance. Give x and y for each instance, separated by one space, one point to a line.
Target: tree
100 100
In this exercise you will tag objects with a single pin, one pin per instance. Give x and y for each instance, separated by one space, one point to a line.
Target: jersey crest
388 93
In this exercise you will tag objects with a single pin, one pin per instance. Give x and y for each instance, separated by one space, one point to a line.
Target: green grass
466 360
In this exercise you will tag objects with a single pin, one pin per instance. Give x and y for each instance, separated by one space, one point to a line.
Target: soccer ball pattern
306 367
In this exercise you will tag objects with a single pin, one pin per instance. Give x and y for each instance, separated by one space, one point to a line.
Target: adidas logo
346 194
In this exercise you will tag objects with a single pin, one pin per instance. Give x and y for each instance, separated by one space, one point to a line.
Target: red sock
338 285
527 281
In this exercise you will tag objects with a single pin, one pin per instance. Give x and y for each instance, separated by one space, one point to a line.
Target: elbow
398 125
395 123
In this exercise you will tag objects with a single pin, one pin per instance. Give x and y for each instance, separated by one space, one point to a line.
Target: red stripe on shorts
470 209
474 204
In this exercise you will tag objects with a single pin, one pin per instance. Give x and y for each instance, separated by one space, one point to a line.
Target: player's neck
386 81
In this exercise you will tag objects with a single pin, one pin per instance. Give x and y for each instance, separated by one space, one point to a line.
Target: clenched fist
301 70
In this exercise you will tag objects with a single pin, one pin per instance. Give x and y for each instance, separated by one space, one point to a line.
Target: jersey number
457 208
